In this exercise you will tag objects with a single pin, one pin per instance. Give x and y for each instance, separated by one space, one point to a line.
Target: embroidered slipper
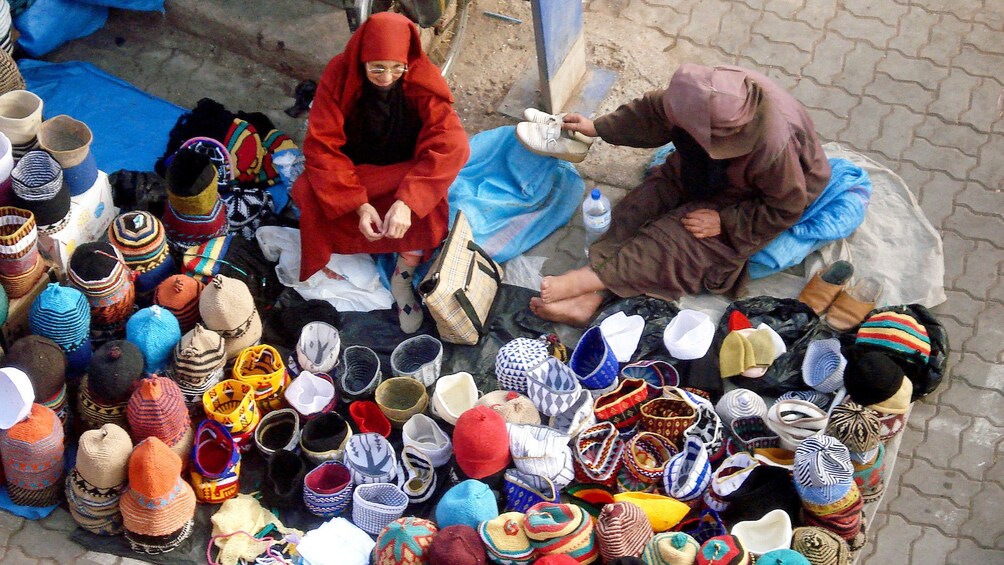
421 482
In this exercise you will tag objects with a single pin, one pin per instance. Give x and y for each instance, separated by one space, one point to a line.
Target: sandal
852 305
825 285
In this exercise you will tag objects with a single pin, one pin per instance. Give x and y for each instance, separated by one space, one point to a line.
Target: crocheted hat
454 395
42 360
400 398
897 333
419 358
33 458
688 473
63 315
103 456
325 438
317 350
623 530
689 334
140 237
823 365
794 421
261 366
199 358
468 503
157 409
723 550
578 417
371 459
115 368
857 427
515 359
37 186
505 539
523 491
820 546
783 557
562 528
898 403
365 413
594 361
311 395
20 263
361 373
514 407
871 376
16 396
226 307
541 451
739 403
155 331
663 512
405 541
20 117
180 295
481 442
552 386
672 548
192 187
95 411
327 490
457 545
823 470
158 506
185 231
376 505
736 355
98 270
770 532
424 434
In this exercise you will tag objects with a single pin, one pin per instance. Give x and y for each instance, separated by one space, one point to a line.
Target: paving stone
985 39
828 125
897 536
961 306
892 91
59 521
94 558
937 197
910 69
966 9
961 137
777 55
954 95
987 344
984 524
828 58
910 444
813 95
859 68
976 197
9 525
914 177
980 372
949 159
985 111
888 12
797 33
969 552
990 169
896 130
979 445
943 434
131 561
958 334
817 13
941 513
946 40
37 543
921 413
979 63
645 13
703 24
980 274
867 122
736 27
932 548
783 8
973 225
914 29
933 481
874 31
16 556
955 249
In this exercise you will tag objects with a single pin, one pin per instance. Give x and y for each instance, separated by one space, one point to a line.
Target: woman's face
383 74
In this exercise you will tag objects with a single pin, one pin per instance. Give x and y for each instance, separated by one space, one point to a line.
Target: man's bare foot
569 285
576 311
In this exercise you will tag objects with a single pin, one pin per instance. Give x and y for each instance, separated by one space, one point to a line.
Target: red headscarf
390 37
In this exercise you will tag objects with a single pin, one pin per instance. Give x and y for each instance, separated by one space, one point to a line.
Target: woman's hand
579 123
369 222
703 223
397 221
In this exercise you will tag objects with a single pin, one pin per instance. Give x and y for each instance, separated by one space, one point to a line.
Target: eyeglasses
396 70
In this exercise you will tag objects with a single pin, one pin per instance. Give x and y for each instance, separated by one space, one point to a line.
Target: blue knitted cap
155 331
61 314
469 503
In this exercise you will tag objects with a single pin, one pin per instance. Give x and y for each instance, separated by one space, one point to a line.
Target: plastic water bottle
595 216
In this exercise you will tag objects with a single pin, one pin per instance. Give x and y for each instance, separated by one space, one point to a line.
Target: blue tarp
47 24
837 212
130 126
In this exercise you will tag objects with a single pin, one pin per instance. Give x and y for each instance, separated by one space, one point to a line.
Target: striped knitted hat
623 530
671 548
18 243
115 368
140 237
43 361
155 331
227 307
157 409
857 427
688 473
739 403
95 411
823 470
158 506
405 541
199 358
895 332
37 185
192 187
61 314
505 539
184 231
561 529
180 295
98 270
821 546
823 365
103 456
33 458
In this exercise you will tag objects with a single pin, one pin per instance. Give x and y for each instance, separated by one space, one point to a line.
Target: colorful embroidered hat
405 541
98 270
33 458
562 529
505 539
671 548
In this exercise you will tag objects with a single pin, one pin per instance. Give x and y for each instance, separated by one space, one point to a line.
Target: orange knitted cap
39 424
153 468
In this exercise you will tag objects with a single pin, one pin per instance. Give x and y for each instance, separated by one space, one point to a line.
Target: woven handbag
461 285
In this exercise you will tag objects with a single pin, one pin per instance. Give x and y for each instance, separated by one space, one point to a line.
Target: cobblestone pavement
915 85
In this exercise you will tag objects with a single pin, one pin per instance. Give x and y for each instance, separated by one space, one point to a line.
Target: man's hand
397 221
579 123
703 223
369 222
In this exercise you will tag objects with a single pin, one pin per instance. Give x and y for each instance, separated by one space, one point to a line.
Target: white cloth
623 332
336 541
360 291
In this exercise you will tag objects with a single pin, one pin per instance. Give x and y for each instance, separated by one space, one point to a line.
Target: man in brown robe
747 164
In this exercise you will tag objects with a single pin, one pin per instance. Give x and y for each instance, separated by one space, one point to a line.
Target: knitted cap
468 503
515 359
115 368
898 403
823 365
155 331
795 420
505 539
95 411
623 530
42 360
424 434
98 270
180 295
821 546
871 376
856 427
33 458
226 307
457 545
671 548
139 236
897 333
594 361
736 355
723 550
481 442
37 186
823 470
689 335
740 403
542 451
772 531
157 409
157 502
61 314
198 356
405 541
103 456
562 528
512 406
783 557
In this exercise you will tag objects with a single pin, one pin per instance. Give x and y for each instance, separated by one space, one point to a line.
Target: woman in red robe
383 145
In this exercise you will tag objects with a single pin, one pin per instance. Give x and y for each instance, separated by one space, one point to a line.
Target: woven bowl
400 398
419 358
361 372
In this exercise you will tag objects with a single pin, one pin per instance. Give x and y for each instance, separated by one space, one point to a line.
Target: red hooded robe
332 187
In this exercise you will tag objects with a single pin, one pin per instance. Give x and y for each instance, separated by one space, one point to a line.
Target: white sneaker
546 139
540 117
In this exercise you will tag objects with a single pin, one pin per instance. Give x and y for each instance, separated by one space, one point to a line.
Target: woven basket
400 398
419 358
361 374
668 417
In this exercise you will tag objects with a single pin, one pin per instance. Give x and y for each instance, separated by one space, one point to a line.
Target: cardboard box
16 325
90 215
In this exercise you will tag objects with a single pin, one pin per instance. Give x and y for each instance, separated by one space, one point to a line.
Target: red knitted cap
481 442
